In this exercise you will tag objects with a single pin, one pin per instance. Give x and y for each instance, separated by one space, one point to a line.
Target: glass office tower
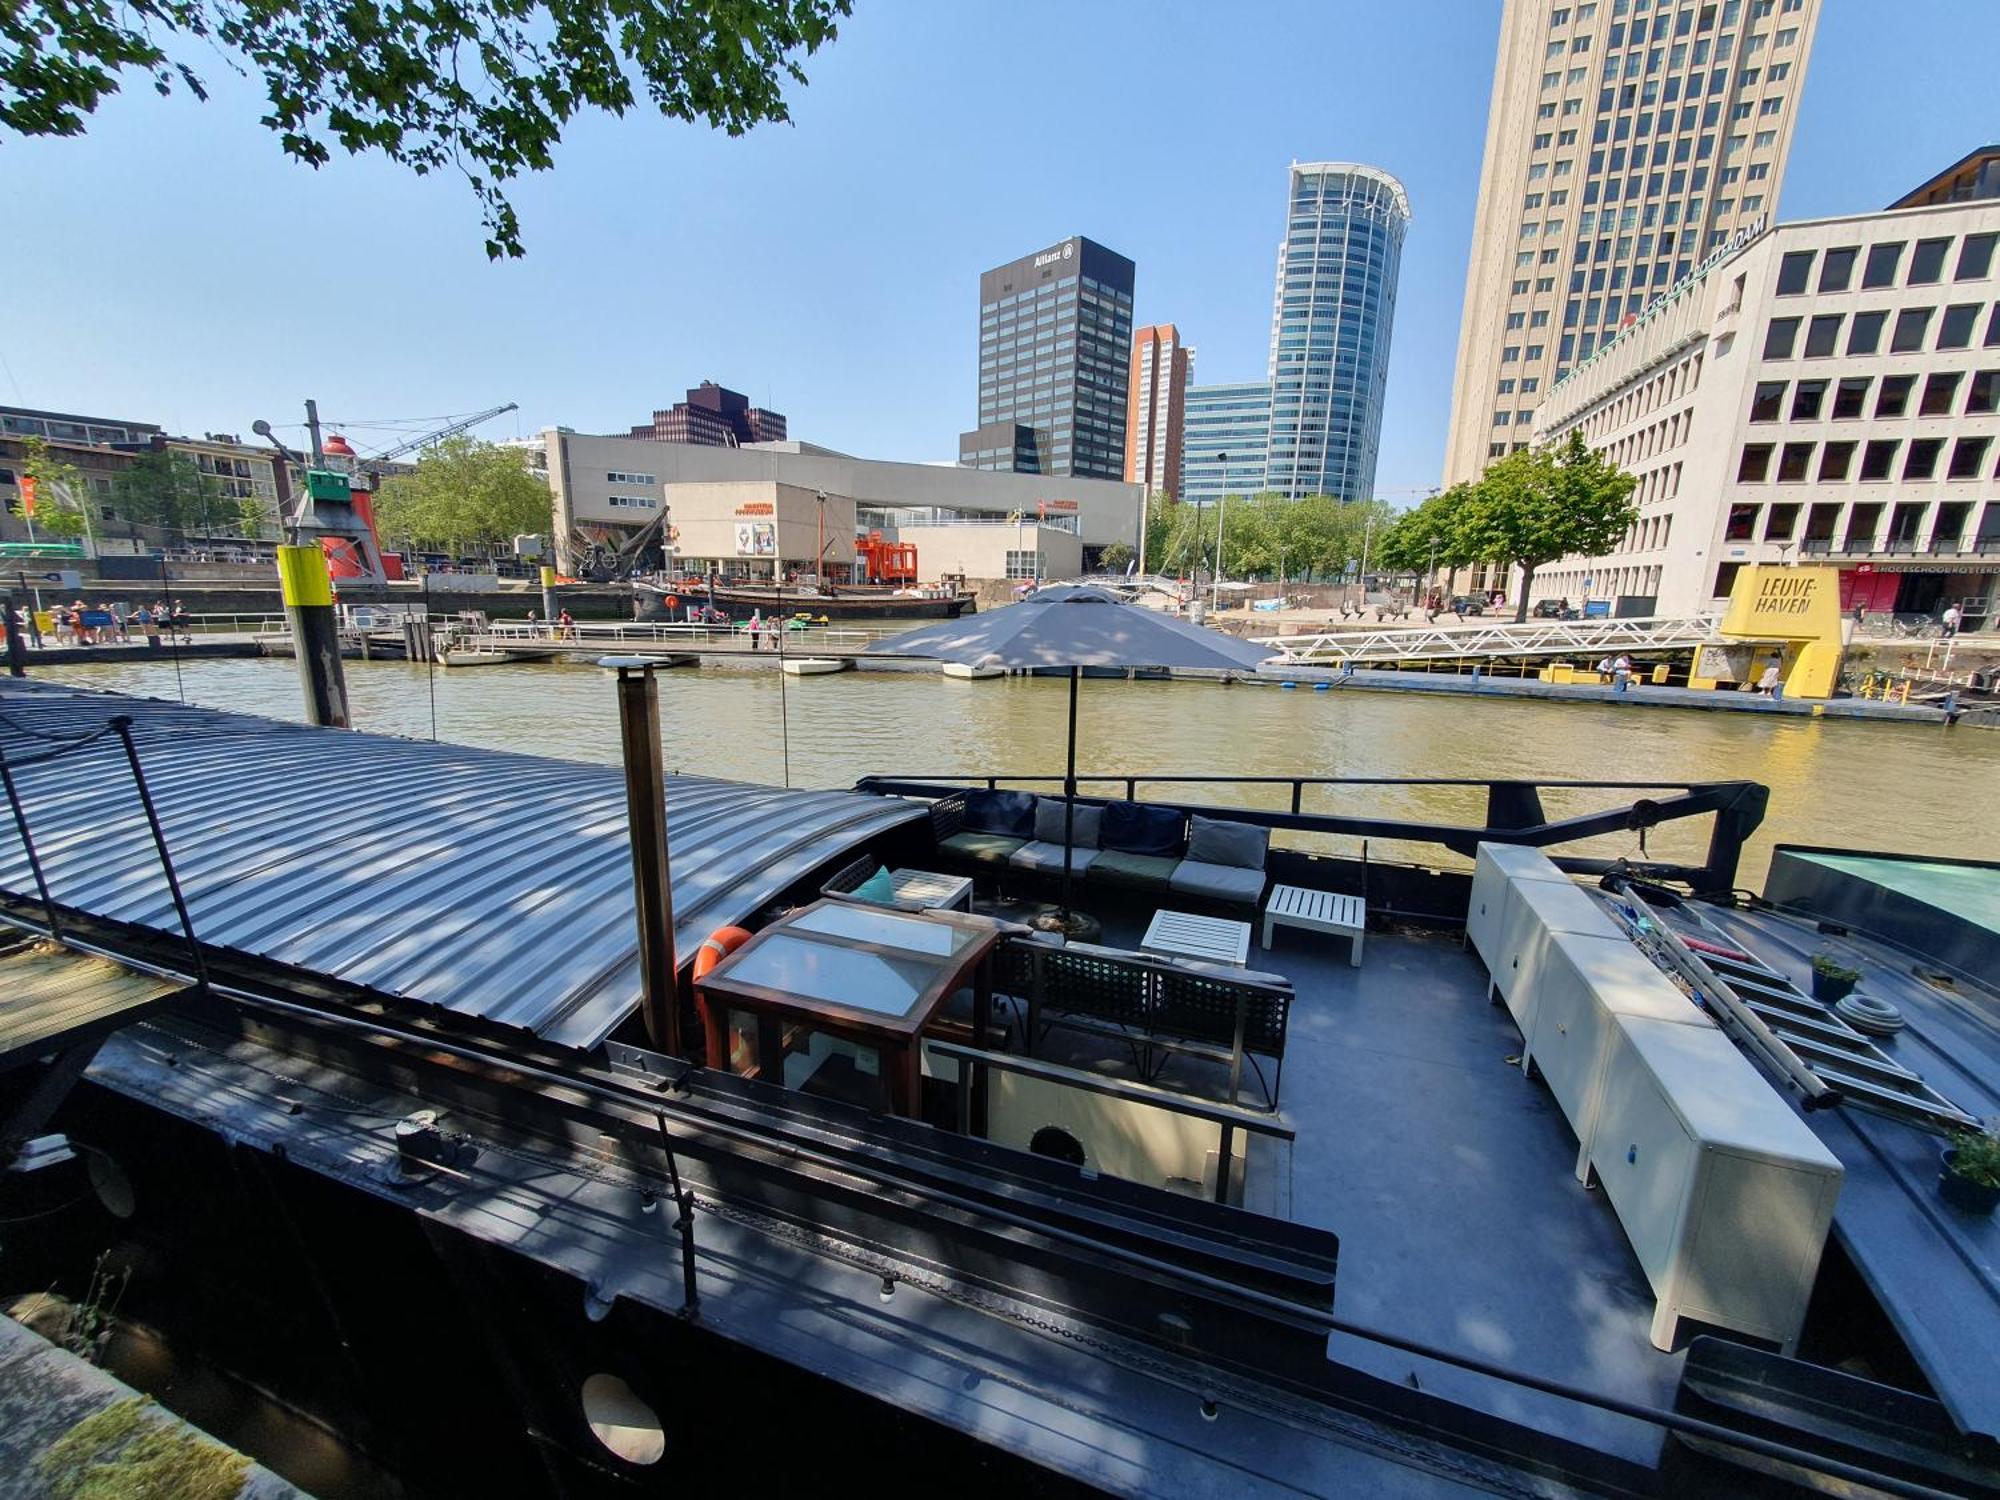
1229 421
1330 325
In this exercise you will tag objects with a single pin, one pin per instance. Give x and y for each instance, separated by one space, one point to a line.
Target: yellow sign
302 577
1796 610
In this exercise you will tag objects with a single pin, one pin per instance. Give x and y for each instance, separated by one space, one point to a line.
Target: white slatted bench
1316 911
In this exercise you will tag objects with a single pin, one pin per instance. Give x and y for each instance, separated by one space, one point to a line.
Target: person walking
756 628
149 626
567 626
1951 619
183 626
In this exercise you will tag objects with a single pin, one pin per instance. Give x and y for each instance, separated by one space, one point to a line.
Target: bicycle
1922 628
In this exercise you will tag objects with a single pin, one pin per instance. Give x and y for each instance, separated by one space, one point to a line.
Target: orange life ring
671 602
717 946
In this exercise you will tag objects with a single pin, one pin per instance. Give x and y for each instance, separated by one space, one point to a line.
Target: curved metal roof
483 882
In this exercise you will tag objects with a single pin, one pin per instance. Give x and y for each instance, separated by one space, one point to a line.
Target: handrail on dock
1588 638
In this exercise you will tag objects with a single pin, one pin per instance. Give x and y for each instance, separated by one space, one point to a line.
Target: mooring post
308 593
652 885
17 649
549 598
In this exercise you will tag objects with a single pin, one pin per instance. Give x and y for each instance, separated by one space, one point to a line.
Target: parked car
1466 604
1551 609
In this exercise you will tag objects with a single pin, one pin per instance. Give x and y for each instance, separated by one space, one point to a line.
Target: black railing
1514 812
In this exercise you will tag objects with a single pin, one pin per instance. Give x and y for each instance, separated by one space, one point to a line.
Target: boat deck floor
1449 1177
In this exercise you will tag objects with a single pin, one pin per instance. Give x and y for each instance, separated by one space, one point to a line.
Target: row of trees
1267 536
465 493
164 491
1527 509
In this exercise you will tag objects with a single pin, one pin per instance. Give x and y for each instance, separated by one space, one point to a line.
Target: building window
1882 262
1823 335
1837 269
1968 457
1768 401
1895 397
1779 337
1754 464
1993 328
1877 459
1911 324
1021 564
1795 270
1940 393
1955 332
1975 257
1850 397
1835 460
1807 399
1795 462
1865 336
1922 460
1742 523
1985 393
1780 523
1927 263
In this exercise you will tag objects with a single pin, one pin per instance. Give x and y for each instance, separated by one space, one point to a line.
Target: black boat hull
736 604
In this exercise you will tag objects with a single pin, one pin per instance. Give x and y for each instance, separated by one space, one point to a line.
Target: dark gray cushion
1010 813
1192 877
1138 828
1145 872
1213 841
1050 813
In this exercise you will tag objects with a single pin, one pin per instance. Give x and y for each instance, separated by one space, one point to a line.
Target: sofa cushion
1139 829
1215 841
1193 877
1145 872
1051 813
1043 855
987 848
1011 813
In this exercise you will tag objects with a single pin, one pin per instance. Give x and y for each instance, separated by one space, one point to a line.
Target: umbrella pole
1069 796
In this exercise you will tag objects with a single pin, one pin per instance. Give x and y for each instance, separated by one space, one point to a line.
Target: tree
62 498
1114 558
482 86
464 493
169 491
1539 504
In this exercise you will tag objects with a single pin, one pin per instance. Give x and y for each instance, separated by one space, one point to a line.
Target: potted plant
1970 1178
1832 980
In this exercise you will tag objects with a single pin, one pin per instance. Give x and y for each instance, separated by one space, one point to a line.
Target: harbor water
1880 786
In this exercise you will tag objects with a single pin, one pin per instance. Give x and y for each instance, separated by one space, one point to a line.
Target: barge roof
486 883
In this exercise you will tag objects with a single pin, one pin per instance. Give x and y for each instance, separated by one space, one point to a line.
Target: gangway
1590 639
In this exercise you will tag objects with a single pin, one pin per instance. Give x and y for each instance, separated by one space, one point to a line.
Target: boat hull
741 604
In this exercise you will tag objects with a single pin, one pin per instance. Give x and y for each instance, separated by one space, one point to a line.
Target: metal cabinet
1724 1193
1584 982
1495 866
1534 910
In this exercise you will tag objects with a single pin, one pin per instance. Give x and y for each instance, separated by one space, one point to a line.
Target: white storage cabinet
1724 1193
1536 912
1493 867
1585 983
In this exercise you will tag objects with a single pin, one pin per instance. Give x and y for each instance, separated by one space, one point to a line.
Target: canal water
1893 787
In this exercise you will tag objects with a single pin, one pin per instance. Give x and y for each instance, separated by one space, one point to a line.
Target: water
1832 782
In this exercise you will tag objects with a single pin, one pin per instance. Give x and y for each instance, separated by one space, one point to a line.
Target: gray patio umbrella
1075 627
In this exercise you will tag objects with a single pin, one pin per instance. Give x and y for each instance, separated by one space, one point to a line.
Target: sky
171 265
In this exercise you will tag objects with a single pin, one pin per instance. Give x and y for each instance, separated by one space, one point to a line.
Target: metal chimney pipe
652 886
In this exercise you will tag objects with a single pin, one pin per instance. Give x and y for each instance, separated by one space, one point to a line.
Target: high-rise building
1624 145
1162 368
1228 436
715 417
1055 351
1331 318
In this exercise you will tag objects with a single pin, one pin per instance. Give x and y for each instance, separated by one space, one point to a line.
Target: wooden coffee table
1316 911
1183 934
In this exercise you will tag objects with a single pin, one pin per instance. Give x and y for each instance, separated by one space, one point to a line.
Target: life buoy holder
714 948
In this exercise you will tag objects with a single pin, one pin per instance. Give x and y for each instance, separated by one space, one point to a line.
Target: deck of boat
1449 1177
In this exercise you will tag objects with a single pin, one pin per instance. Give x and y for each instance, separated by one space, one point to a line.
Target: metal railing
669 636
1591 638
1514 811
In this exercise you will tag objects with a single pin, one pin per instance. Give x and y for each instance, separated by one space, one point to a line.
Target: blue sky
173 266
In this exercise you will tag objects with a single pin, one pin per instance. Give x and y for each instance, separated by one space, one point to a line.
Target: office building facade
1055 351
715 417
1827 393
1162 369
1331 320
1227 440
1625 142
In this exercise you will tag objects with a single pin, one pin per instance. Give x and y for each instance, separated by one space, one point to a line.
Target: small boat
812 666
969 671
849 602
478 658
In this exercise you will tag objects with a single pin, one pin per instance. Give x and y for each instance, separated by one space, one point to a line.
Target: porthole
624 1424
112 1186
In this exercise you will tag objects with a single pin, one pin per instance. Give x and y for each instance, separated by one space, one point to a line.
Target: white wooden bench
1316 911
